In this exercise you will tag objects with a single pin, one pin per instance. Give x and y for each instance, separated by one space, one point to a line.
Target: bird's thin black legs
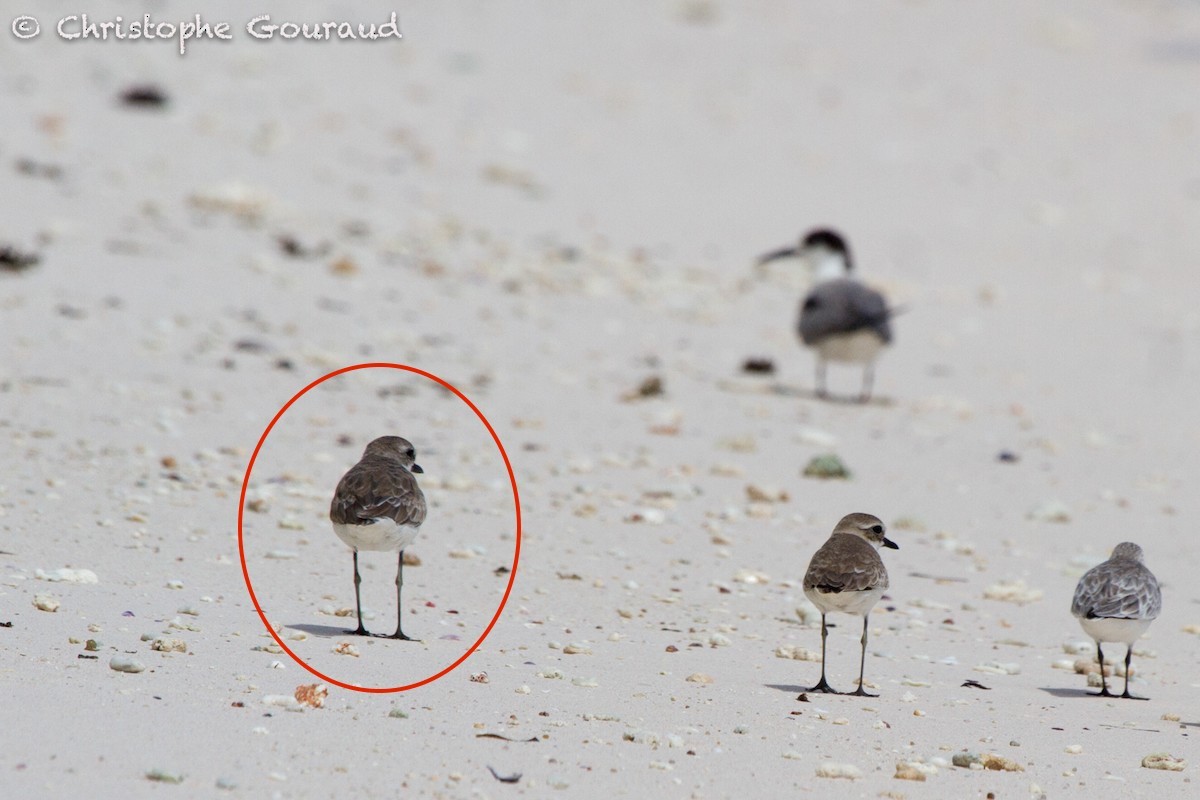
360 630
399 634
823 685
1103 683
862 663
1128 659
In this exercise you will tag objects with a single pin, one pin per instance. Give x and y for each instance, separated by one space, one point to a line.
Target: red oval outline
516 505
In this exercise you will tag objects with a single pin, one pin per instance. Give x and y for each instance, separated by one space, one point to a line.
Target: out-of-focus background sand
546 204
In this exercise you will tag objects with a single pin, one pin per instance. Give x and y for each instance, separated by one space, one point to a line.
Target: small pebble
699 677
1000 763
1073 749
283 701
164 776
126 664
826 467
996 668
44 602
831 770
1164 761
311 694
908 772
67 575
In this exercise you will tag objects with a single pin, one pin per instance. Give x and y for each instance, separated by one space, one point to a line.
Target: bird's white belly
1104 629
383 535
859 603
859 347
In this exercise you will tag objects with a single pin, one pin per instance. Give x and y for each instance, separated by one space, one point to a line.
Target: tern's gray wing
1118 590
378 488
843 305
846 564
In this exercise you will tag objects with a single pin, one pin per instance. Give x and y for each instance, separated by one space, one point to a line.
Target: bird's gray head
868 527
1127 551
395 448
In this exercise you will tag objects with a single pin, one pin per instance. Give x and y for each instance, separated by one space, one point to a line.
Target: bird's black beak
417 468
889 543
775 255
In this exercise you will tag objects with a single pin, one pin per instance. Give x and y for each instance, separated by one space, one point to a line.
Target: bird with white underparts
1115 601
847 575
379 506
842 319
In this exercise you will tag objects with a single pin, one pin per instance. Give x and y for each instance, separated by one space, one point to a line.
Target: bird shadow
325 631
1059 691
787 687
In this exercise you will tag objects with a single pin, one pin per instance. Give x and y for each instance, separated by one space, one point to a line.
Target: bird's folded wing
365 495
829 571
843 306
1108 591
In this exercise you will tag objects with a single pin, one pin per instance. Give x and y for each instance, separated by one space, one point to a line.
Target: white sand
545 204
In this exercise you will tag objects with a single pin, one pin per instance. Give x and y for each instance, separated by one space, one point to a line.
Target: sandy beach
556 208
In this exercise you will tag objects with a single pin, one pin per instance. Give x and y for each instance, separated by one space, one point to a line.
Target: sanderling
840 318
846 574
1115 602
378 506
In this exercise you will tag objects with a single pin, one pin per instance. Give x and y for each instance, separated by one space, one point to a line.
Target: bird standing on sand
1115 602
378 506
846 574
842 319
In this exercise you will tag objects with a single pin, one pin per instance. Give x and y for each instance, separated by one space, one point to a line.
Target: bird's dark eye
412 453
877 529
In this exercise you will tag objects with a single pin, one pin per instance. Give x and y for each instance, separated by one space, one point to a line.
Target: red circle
516 505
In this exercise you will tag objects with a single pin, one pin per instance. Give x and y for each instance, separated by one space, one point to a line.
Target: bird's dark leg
823 686
360 631
1103 683
821 378
1128 658
868 383
862 662
399 634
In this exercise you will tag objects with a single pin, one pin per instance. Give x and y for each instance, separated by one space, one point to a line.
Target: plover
841 319
846 574
1115 602
378 506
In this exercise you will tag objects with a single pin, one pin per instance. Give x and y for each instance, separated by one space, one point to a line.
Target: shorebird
846 574
378 506
841 318
1115 602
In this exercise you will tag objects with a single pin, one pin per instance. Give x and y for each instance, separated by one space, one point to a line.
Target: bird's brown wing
846 563
377 489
